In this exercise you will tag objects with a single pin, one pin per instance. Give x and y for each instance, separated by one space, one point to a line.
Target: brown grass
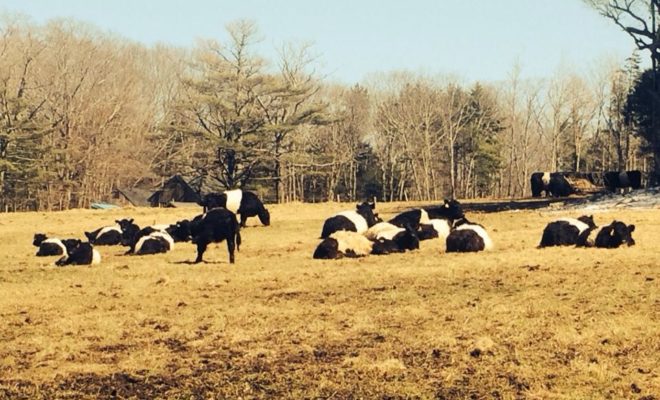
518 322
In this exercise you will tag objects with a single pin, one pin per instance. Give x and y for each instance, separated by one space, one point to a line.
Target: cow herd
215 225
351 233
361 232
558 184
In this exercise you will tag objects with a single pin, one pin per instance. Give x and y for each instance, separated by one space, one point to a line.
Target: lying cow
52 246
81 254
614 235
238 201
215 226
355 221
467 236
569 232
105 236
450 210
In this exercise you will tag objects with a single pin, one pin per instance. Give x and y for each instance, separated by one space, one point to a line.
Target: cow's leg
230 247
201 248
243 220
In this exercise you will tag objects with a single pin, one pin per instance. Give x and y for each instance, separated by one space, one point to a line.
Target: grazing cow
106 236
568 232
468 237
238 201
614 235
215 226
82 254
625 180
154 243
450 210
355 221
540 182
52 246
343 244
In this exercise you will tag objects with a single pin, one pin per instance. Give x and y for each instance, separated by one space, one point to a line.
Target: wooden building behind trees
84 113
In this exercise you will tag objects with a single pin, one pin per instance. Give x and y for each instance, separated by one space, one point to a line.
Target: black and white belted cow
468 236
238 201
450 211
81 254
341 244
539 183
105 236
569 232
355 221
391 238
53 246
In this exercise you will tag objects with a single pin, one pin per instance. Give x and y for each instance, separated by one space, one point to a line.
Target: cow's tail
237 229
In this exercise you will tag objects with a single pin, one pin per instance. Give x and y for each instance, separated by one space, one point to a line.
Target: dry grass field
517 322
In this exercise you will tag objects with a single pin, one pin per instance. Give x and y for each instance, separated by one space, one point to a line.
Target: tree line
83 113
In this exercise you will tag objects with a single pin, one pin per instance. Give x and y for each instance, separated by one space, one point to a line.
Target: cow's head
180 231
366 210
128 230
589 220
124 223
38 239
264 216
384 246
71 244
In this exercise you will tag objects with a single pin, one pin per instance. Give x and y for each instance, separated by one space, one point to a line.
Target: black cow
625 180
559 186
355 221
215 226
106 236
180 231
238 201
82 254
451 210
52 246
568 232
614 235
540 182
467 236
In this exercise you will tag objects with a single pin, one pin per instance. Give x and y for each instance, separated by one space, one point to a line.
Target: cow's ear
130 221
631 228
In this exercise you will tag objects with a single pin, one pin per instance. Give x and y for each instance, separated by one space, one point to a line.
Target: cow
154 243
238 201
625 180
105 236
450 210
467 236
614 235
52 246
568 232
559 186
397 240
436 228
355 221
341 244
214 226
180 231
81 254
539 183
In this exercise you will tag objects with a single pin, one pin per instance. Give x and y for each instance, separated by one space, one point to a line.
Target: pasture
517 322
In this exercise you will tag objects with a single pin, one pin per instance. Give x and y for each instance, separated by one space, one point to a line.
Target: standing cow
625 180
540 182
213 227
238 201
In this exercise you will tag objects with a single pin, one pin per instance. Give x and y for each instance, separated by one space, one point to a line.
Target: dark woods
84 113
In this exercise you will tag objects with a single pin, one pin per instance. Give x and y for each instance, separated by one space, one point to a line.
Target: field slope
518 322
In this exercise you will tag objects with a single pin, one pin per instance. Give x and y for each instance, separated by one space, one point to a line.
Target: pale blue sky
473 39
